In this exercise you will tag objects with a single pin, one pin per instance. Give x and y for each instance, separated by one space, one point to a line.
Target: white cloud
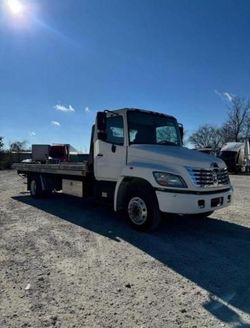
55 123
32 133
228 96
87 110
217 92
224 95
63 108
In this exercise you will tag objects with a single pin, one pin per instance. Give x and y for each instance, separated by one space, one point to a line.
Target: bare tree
237 126
247 133
1 143
207 136
17 146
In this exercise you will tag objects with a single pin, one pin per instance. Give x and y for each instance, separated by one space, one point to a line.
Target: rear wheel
142 209
36 187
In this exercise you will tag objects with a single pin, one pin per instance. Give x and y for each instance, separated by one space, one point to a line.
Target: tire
35 187
142 208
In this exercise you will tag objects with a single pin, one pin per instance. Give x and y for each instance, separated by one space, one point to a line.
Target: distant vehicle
40 153
138 163
59 152
236 156
55 153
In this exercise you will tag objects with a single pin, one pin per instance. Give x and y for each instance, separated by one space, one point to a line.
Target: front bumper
193 202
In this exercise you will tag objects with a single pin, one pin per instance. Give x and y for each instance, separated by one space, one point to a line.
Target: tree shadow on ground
212 253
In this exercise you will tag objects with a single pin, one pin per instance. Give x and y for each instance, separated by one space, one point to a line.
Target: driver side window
115 130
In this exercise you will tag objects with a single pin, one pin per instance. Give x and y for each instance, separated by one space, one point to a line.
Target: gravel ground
65 262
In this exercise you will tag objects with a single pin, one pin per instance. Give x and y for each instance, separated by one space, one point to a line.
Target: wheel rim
33 187
137 210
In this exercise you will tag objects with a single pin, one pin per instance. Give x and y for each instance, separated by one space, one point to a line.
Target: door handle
99 155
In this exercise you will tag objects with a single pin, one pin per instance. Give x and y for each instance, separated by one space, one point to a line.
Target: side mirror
181 131
101 121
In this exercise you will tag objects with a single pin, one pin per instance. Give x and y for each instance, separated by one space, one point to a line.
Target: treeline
12 154
235 128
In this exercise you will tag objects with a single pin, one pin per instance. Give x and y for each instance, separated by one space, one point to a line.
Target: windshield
147 128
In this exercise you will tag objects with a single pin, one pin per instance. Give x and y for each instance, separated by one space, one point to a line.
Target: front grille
209 178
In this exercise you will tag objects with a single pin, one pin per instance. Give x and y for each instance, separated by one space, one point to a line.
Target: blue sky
184 58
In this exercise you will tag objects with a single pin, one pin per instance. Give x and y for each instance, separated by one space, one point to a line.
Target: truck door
110 155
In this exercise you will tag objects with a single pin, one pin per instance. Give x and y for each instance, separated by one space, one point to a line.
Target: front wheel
142 209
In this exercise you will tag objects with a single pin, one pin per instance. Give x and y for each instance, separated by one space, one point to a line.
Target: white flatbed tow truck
138 163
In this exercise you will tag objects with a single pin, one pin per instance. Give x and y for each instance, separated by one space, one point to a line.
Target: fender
143 171
117 188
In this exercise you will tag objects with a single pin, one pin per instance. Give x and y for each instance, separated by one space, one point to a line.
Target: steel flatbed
69 168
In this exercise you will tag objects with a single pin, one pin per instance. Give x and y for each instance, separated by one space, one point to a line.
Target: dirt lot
65 262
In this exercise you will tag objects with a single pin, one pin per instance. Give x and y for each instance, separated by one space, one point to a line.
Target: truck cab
142 154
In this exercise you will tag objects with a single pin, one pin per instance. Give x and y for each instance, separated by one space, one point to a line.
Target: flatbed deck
69 168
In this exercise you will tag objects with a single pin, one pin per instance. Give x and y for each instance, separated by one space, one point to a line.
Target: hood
171 155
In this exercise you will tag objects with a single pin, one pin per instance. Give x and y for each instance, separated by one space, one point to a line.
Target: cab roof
142 111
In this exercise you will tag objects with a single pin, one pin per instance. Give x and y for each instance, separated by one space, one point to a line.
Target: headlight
169 180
